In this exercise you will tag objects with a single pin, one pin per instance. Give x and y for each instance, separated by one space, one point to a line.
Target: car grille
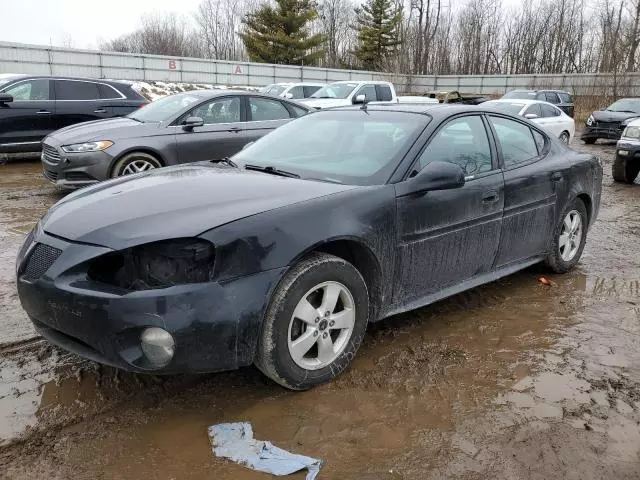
51 175
77 176
40 260
608 125
50 154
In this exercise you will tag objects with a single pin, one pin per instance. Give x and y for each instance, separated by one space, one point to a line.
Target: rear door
222 134
266 114
79 101
310 90
553 119
449 236
530 191
29 118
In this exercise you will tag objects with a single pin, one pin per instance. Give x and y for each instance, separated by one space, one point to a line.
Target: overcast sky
83 22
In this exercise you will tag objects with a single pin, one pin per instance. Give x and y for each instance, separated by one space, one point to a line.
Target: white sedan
545 114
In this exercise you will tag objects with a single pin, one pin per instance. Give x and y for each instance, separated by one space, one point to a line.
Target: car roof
221 92
432 109
523 101
82 79
360 81
523 90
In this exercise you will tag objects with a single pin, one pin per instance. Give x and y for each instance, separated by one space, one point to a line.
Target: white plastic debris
235 441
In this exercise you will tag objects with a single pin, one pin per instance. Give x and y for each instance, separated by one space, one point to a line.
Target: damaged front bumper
214 324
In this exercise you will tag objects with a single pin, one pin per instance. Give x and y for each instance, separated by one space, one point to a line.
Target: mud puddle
511 380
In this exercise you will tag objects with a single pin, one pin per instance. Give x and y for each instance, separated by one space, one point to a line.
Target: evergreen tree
279 34
378 24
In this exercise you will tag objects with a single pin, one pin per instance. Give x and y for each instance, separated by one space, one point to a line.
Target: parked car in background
33 106
560 98
549 117
186 127
282 256
294 91
610 122
626 164
456 97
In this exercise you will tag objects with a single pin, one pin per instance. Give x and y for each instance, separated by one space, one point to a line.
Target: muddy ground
513 380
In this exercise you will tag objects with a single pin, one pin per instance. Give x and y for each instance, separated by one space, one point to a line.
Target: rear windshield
530 95
507 107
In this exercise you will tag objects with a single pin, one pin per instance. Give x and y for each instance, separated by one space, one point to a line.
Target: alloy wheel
570 235
137 166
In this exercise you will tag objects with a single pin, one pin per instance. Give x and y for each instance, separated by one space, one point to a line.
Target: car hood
108 129
607 116
173 202
325 102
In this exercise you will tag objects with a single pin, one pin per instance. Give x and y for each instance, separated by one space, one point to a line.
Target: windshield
506 107
164 108
364 149
630 105
335 90
521 94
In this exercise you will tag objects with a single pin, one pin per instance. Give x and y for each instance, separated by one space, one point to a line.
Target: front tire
315 322
569 238
624 171
135 162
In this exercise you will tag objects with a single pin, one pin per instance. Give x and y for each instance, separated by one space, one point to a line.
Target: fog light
623 153
157 345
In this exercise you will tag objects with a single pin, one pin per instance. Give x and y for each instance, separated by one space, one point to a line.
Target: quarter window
462 141
68 90
535 109
107 92
516 141
37 89
223 110
565 97
263 109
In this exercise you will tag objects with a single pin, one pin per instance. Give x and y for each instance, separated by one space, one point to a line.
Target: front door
530 198
222 135
29 118
446 237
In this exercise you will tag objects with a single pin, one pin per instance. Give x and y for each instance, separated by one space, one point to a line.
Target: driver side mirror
362 98
5 98
192 122
531 116
435 176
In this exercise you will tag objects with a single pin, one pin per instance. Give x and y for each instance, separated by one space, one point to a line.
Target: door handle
100 110
490 196
556 176
43 112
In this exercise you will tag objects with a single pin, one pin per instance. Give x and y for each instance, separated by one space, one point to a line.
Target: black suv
561 99
31 107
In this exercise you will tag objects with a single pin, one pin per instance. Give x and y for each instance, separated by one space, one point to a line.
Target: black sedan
33 106
610 122
283 254
187 127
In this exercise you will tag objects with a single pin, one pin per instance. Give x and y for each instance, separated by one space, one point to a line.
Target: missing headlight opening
156 265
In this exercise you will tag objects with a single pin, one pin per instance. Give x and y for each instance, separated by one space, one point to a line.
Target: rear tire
589 141
311 333
135 162
565 138
569 238
624 171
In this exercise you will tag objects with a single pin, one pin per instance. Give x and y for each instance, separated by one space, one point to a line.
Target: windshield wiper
226 160
272 171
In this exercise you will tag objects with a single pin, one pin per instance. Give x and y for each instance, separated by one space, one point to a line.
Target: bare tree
219 22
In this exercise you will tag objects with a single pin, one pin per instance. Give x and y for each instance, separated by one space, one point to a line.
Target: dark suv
31 107
561 99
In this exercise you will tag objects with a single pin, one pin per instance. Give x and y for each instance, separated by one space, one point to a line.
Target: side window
540 141
310 90
298 112
462 141
369 91
263 109
37 89
68 90
297 92
222 110
106 92
552 98
549 111
535 109
516 141
384 93
565 97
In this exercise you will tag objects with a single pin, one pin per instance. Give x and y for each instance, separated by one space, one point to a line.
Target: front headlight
590 120
156 265
88 146
632 133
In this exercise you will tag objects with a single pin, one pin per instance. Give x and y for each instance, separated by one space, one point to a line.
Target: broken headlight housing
156 265
590 120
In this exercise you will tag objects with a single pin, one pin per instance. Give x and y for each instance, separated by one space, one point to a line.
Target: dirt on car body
516 379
